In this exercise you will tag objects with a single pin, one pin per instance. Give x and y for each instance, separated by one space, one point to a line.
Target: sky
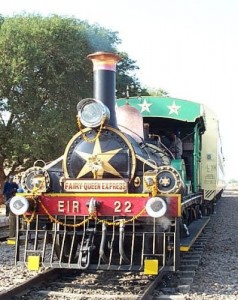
187 47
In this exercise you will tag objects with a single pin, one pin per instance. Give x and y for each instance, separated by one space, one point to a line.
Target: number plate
108 205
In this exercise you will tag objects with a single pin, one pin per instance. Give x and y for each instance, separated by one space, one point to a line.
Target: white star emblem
145 106
173 109
164 181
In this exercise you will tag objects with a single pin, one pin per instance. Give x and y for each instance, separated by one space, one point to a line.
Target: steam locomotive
118 198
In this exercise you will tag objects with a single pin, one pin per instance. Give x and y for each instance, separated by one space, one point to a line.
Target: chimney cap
104 56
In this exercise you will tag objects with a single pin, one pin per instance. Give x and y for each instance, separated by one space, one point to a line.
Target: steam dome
130 121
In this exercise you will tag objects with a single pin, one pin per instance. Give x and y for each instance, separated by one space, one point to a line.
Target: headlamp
156 207
19 205
92 113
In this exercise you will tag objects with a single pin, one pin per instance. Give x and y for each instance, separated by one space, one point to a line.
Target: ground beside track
217 275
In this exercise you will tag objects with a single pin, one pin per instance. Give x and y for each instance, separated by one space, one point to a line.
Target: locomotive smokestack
104 89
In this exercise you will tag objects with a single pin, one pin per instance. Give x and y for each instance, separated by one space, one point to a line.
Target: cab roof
166 107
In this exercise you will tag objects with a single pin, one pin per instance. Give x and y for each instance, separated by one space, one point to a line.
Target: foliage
126 82
158 92
44 72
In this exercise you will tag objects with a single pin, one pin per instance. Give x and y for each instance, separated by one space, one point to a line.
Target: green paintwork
165 107
177 109
179 165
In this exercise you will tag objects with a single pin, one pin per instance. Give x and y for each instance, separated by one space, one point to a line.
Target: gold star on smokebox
98 161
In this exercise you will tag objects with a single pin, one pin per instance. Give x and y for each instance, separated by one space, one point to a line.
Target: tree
127 82
44 73
158 92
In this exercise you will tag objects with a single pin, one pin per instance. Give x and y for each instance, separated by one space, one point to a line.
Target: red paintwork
109 205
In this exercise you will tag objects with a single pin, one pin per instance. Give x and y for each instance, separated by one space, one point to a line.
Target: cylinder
104 79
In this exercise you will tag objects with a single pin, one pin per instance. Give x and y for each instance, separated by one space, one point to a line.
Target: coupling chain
84 135
90 217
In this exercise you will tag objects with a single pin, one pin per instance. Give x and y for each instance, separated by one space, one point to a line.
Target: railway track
75 284
177 285
71 284
78 285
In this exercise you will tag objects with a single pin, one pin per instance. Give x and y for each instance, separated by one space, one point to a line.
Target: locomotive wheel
63 246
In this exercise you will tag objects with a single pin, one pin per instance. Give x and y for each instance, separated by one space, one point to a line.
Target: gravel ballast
217 276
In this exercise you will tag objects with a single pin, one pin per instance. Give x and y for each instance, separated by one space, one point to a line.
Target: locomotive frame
118 199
